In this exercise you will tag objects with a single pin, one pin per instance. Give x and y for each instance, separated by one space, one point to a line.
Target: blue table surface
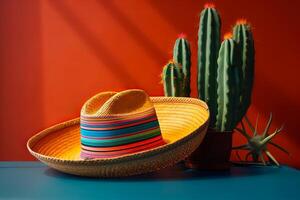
34 180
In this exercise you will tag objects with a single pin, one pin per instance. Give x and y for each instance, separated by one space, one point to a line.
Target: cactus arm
208 47
177 51
177 83
270 137
270 156
166 76
249 124
243 36
186 68
256 123
248 58
202 73
268 125
236 81
279 147
243 132
223 76
172 80
228 87
182 56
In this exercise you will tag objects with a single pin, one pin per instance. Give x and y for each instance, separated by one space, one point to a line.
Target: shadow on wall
95 44
138 35
21 77
181 24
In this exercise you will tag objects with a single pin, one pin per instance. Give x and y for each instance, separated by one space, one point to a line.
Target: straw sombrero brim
183 122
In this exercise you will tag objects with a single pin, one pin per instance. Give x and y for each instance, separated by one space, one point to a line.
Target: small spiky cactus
208 48
242 34
182 56
172 77
257 143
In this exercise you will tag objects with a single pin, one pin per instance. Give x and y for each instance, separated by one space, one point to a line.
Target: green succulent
257 143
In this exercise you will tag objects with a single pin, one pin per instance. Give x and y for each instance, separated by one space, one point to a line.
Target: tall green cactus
182 55
242 34
225 72
228 79
172 77
208 47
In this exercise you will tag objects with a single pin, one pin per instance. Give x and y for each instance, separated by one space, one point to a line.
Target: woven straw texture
183 122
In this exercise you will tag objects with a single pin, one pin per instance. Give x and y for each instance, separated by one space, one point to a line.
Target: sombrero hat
122 134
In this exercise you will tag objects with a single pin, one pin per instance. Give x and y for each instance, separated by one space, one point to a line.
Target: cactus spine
172 79
242 34
182 56
228 77
208 47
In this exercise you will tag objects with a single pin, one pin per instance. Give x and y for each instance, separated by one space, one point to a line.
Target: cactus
257 143
228 80
225 72
172 77
208 47
242 34
182 56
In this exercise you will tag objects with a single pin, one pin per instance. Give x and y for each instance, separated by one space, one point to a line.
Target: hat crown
115 124
112 103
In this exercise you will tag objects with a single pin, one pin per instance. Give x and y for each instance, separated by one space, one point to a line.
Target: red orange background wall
55 54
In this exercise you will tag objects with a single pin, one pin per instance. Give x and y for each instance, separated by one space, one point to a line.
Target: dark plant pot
213 153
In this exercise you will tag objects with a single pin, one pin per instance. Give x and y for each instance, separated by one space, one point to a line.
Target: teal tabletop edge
34 180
